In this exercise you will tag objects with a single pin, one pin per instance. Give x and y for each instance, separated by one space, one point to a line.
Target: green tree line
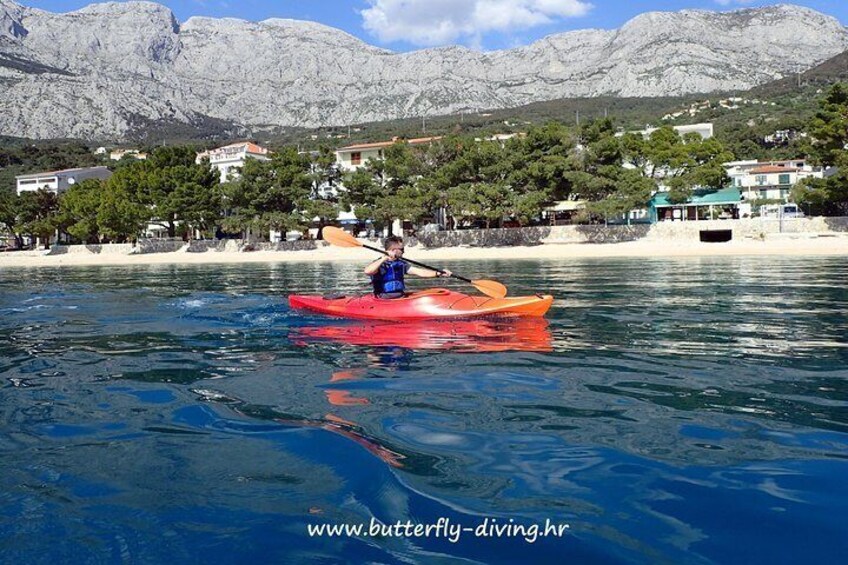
459 179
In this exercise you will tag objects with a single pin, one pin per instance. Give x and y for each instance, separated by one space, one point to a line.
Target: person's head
393 242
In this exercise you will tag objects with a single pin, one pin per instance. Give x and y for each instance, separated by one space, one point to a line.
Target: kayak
431 304
476 335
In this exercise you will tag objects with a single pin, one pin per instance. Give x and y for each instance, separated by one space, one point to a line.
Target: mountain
831 71
122 70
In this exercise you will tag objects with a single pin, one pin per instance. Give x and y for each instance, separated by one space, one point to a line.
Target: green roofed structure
705 204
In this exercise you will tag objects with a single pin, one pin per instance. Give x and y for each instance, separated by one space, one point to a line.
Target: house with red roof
230 158
769 180
353 157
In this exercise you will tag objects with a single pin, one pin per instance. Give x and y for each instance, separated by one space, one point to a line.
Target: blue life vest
389 278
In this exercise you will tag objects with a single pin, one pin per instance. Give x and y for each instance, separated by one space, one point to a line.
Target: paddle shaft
411 262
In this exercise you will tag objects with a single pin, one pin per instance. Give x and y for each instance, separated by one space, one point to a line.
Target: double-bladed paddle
337 236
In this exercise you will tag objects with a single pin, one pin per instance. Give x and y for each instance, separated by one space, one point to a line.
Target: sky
405 25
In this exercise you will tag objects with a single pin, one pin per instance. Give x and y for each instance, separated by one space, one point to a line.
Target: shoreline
655 249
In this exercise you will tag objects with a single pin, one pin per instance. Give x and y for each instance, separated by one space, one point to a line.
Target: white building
705 130
58 182
771 180
352 157
230 158
768 180
119 154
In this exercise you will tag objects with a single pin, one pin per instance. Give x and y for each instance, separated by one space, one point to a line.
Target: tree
541 164
681 164
480 183
325 176
389 189
78 209
37 214
598 161
631 191
173 187
270 194
829 127
197 198
119 217
828 131
8 211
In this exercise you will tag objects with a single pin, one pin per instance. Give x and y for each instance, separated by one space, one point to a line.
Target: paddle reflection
472 336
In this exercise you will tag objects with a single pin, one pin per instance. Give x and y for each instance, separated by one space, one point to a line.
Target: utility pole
577 117
424 124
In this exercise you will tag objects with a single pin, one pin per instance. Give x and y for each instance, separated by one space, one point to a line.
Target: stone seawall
143 246
749 228
234 245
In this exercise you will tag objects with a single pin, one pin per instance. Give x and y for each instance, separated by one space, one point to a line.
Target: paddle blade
337 236
490 288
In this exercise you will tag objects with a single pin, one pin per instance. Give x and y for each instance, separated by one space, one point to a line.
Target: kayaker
388 271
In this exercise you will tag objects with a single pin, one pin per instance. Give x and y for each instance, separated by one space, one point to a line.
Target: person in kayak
388 271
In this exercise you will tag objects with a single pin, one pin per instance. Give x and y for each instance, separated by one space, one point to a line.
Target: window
783 179
33 181
356 158
761 179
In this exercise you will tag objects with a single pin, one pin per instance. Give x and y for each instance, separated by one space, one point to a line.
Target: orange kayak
432 304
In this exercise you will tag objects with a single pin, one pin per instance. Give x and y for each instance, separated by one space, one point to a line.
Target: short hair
391 240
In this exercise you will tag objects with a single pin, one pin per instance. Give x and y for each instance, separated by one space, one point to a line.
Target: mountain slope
831 71
111 70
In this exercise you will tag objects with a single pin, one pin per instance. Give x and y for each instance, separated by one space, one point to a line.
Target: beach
649 248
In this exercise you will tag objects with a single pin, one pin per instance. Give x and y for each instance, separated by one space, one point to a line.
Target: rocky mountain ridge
116 70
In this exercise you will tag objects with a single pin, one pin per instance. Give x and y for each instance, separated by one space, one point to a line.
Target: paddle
337 236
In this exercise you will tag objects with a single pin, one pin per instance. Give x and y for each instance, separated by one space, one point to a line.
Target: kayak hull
432 304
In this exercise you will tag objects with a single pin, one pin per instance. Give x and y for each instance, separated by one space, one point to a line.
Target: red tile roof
380 144
766 169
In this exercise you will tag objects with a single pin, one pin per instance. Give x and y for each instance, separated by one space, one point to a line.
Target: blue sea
669 411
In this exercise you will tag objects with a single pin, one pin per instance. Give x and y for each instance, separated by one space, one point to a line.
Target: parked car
788 210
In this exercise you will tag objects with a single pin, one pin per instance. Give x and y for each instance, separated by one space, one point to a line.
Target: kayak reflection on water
477 335
393 345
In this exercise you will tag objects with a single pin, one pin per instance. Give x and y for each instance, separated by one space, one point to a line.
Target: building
705 130
230 158
768 180
705 204
352 157
563 212
58 182
119 154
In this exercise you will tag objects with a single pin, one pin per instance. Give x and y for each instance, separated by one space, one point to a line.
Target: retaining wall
748 228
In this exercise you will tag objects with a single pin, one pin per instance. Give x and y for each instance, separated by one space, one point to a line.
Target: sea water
679 411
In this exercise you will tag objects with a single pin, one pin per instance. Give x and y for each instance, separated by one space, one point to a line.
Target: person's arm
427 273
373 267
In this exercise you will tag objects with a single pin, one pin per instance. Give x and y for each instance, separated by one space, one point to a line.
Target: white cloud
438 22
733 2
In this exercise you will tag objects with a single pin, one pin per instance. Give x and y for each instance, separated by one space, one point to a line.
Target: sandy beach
799 246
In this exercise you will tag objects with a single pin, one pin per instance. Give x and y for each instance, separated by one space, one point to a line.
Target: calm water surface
675 411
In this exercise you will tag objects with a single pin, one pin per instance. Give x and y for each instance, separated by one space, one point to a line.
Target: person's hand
445 273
